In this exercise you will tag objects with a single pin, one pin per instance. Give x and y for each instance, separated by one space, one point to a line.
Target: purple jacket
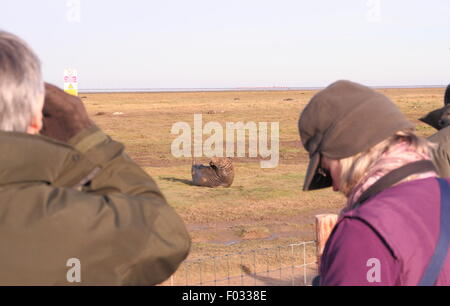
389 240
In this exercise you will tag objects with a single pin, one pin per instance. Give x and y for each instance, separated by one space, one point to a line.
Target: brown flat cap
342 120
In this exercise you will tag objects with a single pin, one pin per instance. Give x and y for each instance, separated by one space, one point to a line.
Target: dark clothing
87 200
399 227
441 155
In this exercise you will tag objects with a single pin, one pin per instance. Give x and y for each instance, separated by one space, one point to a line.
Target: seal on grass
219 173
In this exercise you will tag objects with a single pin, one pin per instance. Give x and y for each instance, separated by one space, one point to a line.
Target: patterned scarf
396 156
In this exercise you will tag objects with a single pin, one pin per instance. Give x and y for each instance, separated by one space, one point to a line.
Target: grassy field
264 207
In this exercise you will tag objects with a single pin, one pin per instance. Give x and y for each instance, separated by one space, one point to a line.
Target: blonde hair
354 168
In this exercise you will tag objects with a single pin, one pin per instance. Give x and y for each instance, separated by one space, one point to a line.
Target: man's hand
64 115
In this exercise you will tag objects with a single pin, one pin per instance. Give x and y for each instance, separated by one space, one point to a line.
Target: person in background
440 120
74 208
394 229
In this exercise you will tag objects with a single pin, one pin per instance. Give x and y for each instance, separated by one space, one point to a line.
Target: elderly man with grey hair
74 208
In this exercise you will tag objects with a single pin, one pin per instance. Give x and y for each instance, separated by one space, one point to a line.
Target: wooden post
324 226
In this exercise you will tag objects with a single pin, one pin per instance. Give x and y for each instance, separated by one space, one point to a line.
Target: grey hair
21 84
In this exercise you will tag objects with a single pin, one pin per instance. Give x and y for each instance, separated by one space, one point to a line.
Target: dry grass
264 207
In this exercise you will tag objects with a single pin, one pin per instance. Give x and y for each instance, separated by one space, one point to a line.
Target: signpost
71 81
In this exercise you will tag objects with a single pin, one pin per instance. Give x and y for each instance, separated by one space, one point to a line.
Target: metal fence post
293 263
242 275
254 265
215 278
201 279
304 264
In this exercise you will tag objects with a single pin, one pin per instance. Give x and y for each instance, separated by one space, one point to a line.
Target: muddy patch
300 227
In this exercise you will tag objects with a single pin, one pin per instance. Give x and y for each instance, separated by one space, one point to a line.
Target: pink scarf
396 156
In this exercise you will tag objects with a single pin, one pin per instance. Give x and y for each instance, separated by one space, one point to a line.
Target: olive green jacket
85 202
442 152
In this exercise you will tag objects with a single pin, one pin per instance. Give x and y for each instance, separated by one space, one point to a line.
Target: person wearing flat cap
395 227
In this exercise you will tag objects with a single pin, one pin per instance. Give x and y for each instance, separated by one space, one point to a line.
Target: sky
235 43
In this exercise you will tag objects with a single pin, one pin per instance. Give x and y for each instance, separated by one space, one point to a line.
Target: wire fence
291 265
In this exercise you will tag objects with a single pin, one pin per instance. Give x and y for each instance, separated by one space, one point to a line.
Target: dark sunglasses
322 178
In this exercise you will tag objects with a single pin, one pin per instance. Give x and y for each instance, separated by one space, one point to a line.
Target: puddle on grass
232 242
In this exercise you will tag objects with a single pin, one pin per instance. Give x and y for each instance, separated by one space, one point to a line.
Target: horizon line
250 88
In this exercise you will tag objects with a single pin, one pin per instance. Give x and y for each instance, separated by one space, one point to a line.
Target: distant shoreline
181 90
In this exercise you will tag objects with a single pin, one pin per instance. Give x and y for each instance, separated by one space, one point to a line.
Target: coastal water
131 90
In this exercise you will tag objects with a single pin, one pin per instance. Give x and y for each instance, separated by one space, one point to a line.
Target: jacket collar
32 158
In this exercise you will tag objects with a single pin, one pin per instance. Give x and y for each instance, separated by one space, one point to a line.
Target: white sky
236 43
